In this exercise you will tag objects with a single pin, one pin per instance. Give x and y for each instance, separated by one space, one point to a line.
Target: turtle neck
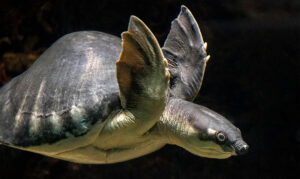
174 122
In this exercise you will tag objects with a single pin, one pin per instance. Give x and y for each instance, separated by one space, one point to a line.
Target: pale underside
102 146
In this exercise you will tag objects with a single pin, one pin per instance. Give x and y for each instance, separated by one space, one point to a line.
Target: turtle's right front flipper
186 52
142 75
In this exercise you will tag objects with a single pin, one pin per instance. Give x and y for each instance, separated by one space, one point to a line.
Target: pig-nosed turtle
78 103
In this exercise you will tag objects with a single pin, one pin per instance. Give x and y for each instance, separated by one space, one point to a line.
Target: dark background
252 78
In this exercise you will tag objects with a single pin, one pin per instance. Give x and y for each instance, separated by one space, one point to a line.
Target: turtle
95 98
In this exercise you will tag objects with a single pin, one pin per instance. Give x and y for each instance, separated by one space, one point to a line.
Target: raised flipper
142 75
186 54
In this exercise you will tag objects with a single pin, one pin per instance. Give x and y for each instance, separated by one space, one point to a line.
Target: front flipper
186 53
142 75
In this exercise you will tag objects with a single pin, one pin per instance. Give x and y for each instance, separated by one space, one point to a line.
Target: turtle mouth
212 152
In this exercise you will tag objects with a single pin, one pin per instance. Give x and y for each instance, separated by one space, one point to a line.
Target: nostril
243 150
241 147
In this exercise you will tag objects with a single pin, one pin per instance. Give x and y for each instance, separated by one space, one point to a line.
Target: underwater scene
149 89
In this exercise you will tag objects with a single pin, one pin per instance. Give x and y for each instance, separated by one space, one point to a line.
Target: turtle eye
221 137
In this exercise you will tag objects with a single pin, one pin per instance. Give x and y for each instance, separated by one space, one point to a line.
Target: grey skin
78 103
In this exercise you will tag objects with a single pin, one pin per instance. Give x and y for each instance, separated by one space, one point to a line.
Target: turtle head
206 133
215 136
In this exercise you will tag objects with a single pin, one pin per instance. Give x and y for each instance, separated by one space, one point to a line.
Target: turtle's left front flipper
142 75
186 53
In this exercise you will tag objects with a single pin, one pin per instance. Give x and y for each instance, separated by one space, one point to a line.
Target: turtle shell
70 88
